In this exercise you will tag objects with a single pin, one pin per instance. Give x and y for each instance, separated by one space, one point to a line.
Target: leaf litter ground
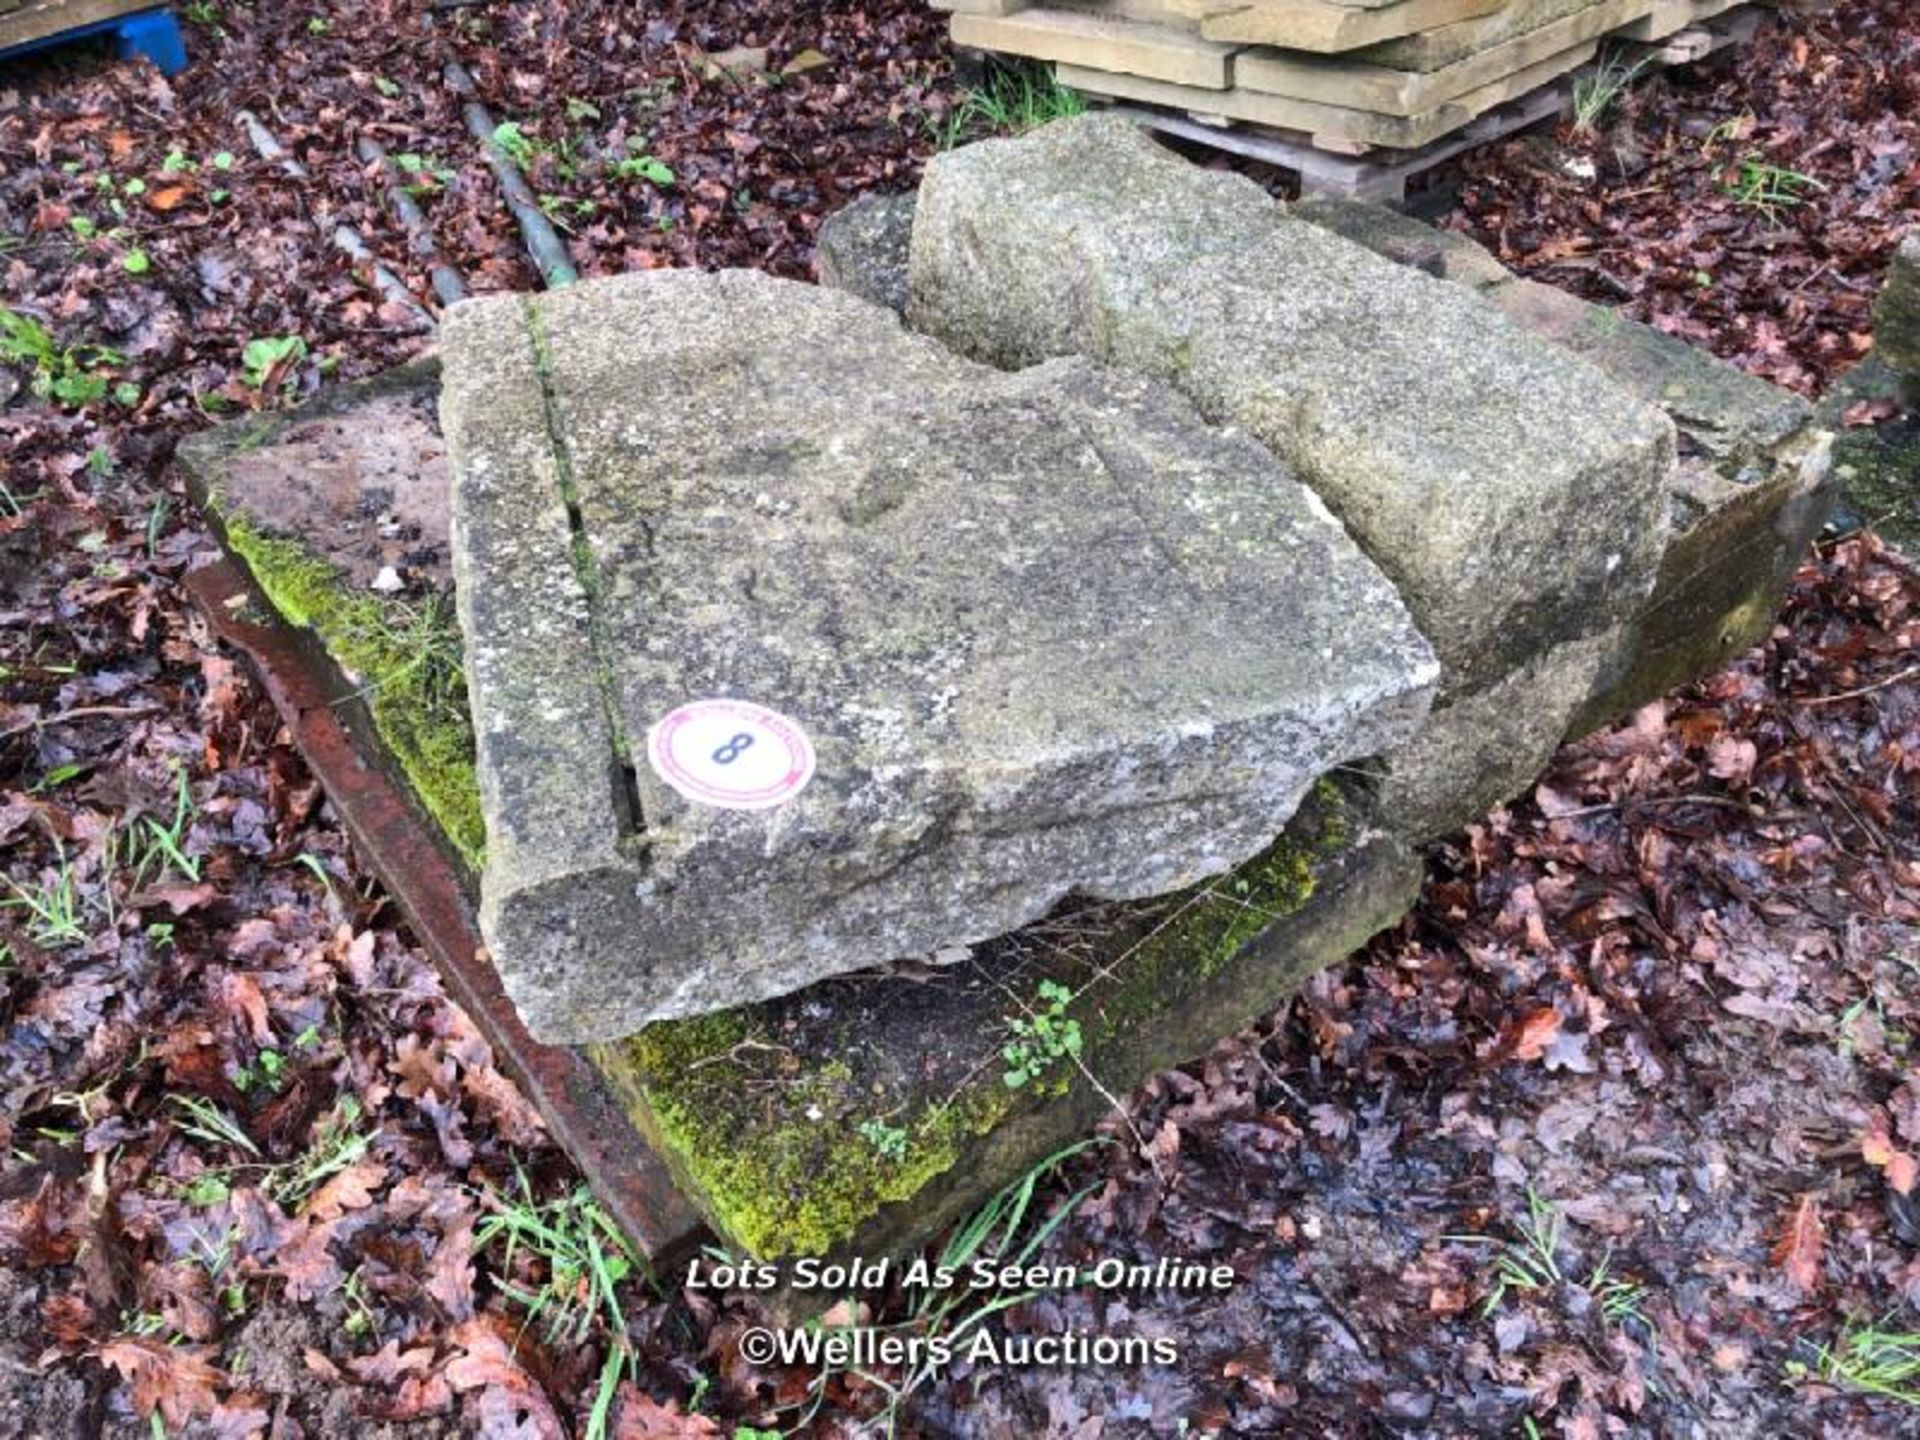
1616 1134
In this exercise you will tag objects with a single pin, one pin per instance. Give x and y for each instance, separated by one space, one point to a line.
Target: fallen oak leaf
318 1364
499 1100
1878 1150
351 1189
1799 1248
180 899
390 1362
511 1400
178 1381
1535 1033
641 1417
450 1276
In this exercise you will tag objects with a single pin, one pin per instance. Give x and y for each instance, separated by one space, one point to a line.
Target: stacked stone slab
763 1112
1752 489
1515 494
681 483
1345 75
1048 632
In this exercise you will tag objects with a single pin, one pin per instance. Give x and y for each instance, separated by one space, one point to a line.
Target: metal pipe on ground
446 281
390 287
544 245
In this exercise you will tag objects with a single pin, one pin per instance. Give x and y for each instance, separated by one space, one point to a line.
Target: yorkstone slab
1323 24
321 502
1440 46
1513 492
768 1114
1049 633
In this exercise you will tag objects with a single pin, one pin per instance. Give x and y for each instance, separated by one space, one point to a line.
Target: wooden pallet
1373 153
1333 128
1380 178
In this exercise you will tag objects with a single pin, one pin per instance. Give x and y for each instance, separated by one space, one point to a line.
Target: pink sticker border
799 748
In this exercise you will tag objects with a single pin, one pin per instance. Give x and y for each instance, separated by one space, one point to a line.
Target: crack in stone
623 777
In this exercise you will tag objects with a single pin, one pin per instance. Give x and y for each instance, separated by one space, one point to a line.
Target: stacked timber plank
1342 76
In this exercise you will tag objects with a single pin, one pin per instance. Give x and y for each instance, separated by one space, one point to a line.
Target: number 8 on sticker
732 754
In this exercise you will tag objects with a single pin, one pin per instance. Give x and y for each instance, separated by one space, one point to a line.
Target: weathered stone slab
1048 632
1392 90
1512 492
339 511
864 1114
1440 46
1324 24
1896 317
1751 491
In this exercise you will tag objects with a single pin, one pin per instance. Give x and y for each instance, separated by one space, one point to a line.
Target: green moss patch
795 1123
406 661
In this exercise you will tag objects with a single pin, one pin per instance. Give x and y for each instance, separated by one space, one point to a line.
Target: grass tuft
1597 91
1757 185
1878 1361
585 1259
1013 101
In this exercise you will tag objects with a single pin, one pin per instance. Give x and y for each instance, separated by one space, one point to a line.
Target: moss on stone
1879 469
760 1113
779 1160
430 739
1215 921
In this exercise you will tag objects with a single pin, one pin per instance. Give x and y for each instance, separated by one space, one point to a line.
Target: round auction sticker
731 753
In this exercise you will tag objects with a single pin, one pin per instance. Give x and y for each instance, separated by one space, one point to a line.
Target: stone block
1513 493
1050 635
1752 488
329 506
1326 25
1101 42
1396 90
862 1114
1440 46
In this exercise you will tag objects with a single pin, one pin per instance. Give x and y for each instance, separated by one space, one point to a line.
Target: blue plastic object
152 33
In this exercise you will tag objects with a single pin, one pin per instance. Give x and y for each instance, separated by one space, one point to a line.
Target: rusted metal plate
317 704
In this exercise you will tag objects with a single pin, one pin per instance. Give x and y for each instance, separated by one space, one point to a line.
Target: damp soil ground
1657 1017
